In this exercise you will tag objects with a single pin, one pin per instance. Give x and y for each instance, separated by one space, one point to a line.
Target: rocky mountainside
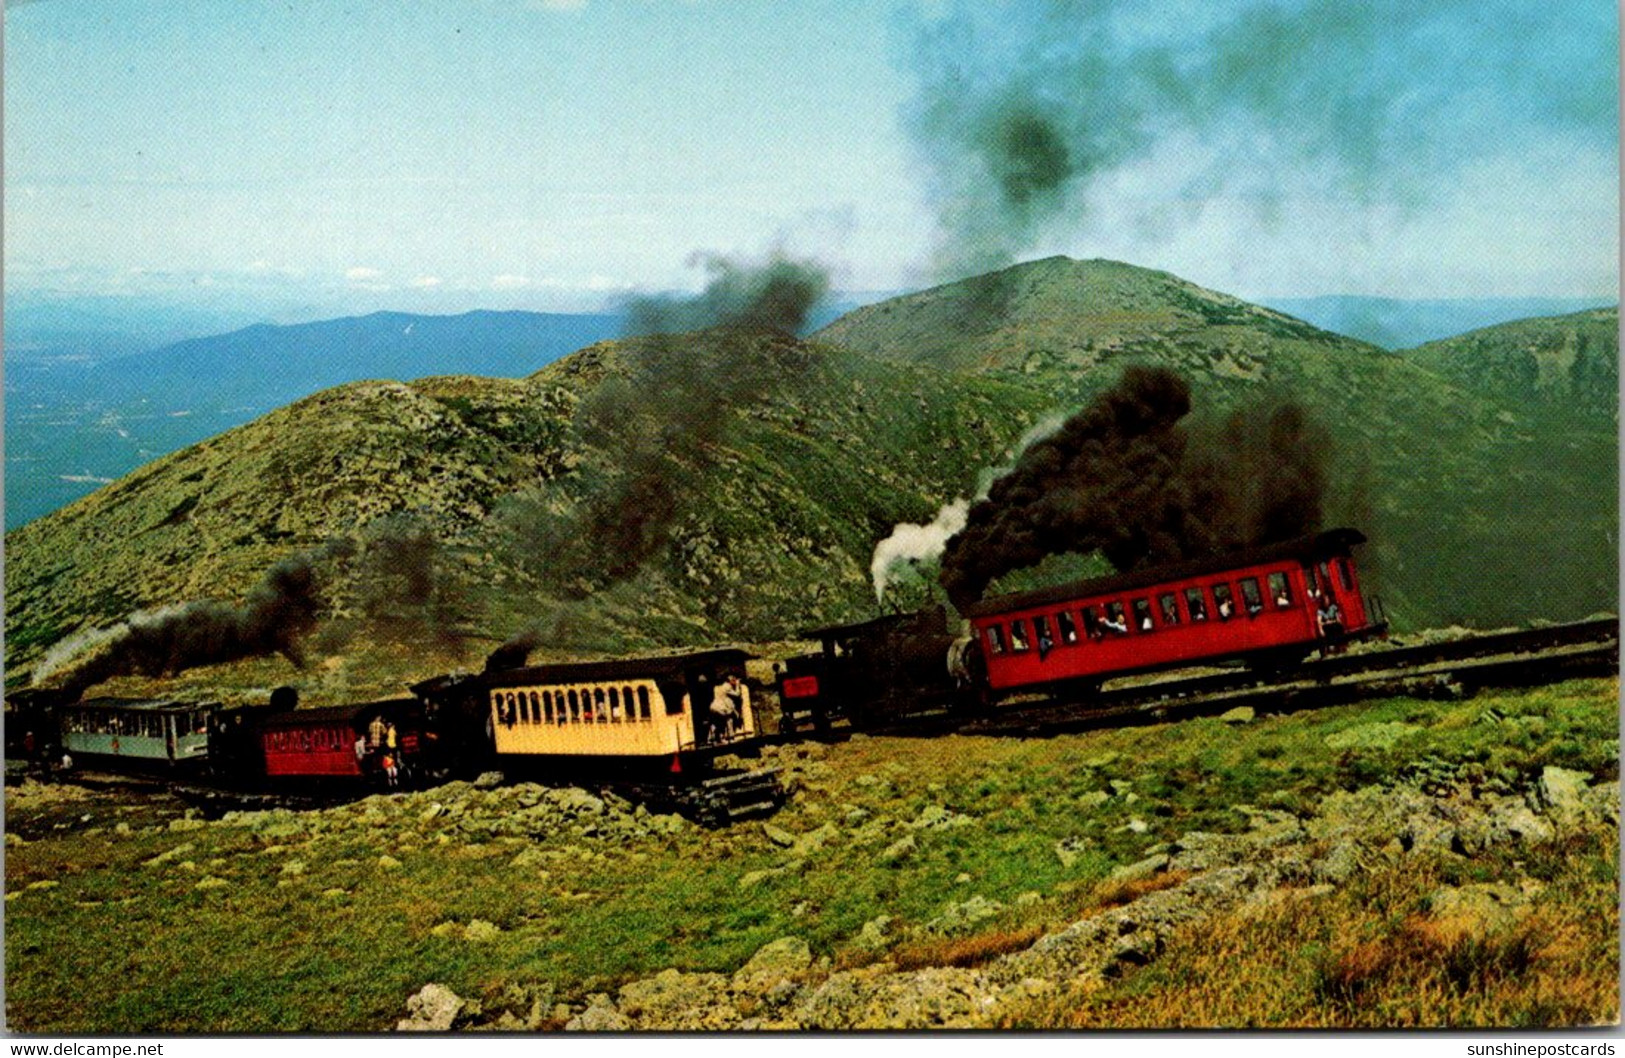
1564 366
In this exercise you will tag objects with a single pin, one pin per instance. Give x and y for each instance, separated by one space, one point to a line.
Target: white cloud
509 282
361 274
426 282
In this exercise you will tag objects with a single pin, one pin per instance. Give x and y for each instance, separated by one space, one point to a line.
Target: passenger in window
1115 621
1069 631
1227 607
1018 635
1045 643
1196 604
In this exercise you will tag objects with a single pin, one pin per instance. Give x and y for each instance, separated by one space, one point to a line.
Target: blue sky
442 155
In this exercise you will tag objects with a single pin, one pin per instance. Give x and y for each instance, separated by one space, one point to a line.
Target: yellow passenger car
649 707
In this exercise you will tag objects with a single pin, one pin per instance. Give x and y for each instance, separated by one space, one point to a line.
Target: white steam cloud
912 543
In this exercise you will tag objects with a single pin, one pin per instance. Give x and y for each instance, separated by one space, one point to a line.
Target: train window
1251 596
1091 622
547 707
1280 591
1041 633
1115 621
615 704
995 639
1344 575
575 706
1142 615
1223 601
1325 577
1169 604
1018 636
643 702
1069 631
600 706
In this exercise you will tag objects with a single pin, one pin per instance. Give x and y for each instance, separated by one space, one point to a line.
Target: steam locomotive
1267 608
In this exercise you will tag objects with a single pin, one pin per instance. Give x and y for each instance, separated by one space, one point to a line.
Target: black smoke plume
1023 113
274 618
777 294
659 426
1128 478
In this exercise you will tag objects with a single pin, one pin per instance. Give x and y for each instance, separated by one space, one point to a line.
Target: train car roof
663 666
1331 542
332 713
145 705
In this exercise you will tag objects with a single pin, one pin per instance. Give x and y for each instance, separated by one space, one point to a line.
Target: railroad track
1445 669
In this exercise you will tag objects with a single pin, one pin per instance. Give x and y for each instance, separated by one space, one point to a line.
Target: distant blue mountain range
95 388
1394 323
75 421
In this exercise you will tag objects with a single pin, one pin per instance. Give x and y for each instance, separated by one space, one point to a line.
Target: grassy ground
329 922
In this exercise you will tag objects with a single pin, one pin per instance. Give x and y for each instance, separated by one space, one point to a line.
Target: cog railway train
671 716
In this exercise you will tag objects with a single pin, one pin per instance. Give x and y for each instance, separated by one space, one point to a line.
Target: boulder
897 851
778 836
488 780
1561 793
479 931
1603 801
1068 850
964 916
1241 714
772 963
938 817
1478 908
875 933
1145 868
600 1016
676 1001
435 1008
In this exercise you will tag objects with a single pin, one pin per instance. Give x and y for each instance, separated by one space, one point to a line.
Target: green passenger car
173 732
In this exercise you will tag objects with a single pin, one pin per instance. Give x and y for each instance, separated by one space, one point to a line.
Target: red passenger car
1269 606
343 742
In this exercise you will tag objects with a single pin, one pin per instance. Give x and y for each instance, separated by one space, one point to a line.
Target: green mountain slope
774 522
1564 365
1481 509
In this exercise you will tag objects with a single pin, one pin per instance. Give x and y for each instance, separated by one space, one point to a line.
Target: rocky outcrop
782 988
